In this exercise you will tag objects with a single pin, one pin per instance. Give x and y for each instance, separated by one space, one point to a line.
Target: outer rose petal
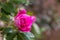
17 21
23 11
33 18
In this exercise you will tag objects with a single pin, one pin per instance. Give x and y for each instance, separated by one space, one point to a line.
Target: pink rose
24 21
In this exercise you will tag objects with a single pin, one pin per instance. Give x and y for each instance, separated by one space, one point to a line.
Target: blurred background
46 27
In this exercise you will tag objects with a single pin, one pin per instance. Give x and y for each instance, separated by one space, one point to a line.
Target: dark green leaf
9 30
4 17
15 1
10 36
4 12
1 28
23 36
8 7
10 33
18 1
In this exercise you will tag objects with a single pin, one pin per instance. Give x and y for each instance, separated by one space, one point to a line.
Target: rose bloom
24 21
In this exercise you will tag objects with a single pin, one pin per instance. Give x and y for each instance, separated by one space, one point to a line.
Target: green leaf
4 12
19 37
0 5
10 33
36 30
1 28
29 35
10 36
4 17
8 7
18 1
9 30
24 36
23 1
15 1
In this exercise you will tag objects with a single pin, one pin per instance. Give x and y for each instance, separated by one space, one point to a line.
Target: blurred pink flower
24 21
2 24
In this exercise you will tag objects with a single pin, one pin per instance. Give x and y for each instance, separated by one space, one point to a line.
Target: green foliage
4 17
15 1
25 36
18 1
11 34
8 30
8 7
1 28
36 31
